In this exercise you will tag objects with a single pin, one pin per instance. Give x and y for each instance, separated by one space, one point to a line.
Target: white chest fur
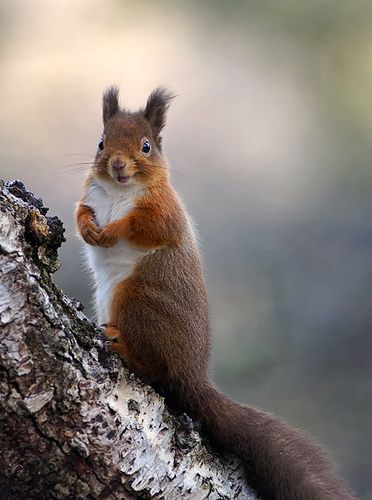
112 265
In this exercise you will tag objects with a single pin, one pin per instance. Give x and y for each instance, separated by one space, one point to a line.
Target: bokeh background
269 141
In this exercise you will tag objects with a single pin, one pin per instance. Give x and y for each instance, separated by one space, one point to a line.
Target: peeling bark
74 423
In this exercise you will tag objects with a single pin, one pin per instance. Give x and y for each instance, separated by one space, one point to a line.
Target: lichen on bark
74 423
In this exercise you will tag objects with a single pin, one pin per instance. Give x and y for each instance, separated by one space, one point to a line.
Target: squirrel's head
130 148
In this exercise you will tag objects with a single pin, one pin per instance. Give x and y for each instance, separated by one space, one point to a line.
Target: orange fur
156 221
112 332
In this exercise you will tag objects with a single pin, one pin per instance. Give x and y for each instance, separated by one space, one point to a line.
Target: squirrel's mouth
123 179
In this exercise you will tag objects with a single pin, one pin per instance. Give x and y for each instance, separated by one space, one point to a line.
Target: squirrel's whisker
79 164
79 154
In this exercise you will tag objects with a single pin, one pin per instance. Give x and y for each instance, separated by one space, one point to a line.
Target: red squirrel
152 298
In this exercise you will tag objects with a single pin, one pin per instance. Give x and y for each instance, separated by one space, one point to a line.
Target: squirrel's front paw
90 233
108 237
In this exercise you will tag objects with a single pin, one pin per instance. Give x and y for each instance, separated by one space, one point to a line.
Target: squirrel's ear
156 108
110 104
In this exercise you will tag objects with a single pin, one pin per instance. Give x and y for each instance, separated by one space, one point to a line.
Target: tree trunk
74 423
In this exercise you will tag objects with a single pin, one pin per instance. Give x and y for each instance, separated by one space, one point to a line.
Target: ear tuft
156 108
110 103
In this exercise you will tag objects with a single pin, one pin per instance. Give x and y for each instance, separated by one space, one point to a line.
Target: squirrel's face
130 149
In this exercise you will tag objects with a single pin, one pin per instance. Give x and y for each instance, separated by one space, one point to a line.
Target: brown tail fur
290 465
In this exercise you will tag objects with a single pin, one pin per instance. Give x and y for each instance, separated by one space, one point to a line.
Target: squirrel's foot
119 345
111 331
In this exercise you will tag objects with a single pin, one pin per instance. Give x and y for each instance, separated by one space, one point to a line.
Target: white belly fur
110 266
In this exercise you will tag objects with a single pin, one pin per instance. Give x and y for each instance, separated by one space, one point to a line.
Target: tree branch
74 422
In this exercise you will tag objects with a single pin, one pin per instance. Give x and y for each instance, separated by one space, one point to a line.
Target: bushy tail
287 463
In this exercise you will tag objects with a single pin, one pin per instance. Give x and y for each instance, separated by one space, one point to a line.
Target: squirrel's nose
118 165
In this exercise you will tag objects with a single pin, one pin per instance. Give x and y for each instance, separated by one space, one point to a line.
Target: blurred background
269 141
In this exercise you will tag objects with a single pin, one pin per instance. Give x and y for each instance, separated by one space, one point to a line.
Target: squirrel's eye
101 144
146 147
